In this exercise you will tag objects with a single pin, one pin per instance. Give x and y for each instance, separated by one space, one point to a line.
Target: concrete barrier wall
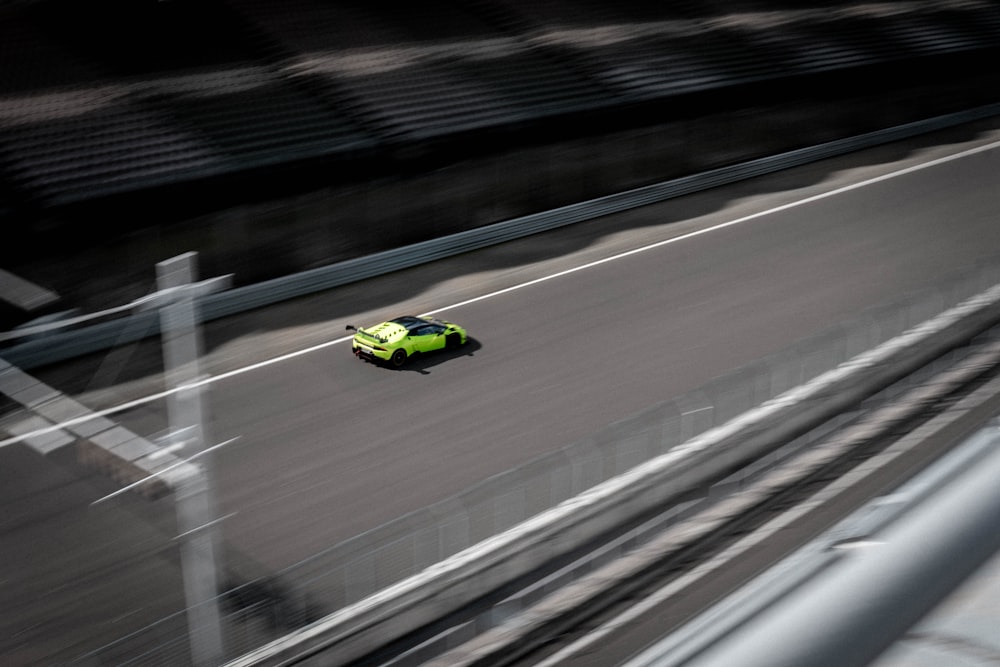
448 585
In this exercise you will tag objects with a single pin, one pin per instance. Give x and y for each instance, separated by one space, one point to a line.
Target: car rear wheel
398 358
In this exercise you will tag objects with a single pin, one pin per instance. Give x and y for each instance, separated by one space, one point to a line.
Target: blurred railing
932 534
261 610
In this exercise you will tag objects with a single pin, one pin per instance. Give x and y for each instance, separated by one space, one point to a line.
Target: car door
427 337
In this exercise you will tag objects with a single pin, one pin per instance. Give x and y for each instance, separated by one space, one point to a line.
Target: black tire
453 341
398 358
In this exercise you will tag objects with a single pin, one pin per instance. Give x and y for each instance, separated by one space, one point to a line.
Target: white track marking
513 288
161 473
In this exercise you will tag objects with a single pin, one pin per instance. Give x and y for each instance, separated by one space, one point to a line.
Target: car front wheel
398 358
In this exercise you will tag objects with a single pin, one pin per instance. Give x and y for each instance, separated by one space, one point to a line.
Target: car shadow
421 363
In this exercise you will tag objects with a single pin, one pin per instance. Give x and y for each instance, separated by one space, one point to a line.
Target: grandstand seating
428 71
113 147
253 117
118 96
159 103
30 61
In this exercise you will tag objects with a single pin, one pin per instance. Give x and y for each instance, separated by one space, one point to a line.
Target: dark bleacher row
115 96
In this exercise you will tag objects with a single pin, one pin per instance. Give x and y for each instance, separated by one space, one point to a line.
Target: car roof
411 321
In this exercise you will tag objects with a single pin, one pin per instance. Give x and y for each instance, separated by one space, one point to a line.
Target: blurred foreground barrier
456 581
68 344
850 611
100 443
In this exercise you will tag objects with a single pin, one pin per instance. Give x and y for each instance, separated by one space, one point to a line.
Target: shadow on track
421 363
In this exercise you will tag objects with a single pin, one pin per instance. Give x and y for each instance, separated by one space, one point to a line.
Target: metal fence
259 611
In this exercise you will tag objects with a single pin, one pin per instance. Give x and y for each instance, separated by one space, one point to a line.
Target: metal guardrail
715 626
845 607
66 345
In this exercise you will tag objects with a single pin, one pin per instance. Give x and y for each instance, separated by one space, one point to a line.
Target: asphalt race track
329 446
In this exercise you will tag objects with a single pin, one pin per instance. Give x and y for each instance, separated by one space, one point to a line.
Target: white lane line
161 473
730 223
513 288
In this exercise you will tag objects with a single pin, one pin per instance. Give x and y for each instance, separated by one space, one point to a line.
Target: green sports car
397 340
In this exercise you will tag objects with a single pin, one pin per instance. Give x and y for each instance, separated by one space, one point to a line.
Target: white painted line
165 470
513 288
857 544
204 526
163 451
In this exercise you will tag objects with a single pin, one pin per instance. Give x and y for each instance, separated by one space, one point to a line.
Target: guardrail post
195 503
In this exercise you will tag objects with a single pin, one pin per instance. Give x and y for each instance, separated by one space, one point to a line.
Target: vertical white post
194 497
